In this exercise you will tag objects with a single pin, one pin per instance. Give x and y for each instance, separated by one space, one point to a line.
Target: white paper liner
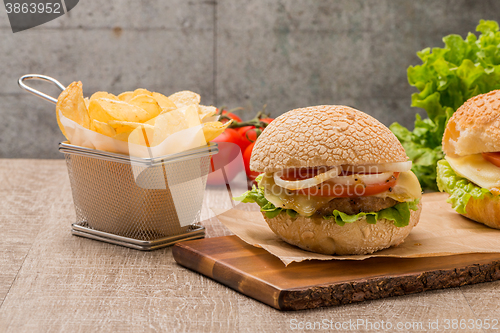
178 142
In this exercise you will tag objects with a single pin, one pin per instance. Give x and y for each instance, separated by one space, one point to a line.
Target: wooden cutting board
311 284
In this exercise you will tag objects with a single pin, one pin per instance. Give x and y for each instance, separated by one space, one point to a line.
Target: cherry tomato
232 135
492 158
244 129
246 159
350 191
267 120
230 115
249 133
224 165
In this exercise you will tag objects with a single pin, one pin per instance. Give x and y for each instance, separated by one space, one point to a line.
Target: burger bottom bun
320 235
486 211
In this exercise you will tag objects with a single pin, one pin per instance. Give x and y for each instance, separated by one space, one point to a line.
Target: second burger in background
470 172
335 181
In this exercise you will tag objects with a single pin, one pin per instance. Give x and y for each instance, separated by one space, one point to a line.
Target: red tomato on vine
232 135
246 159
242 134
229 115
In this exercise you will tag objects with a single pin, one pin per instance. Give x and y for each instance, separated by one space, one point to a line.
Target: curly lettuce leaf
459 188
420 146
399 214
256 195
447 78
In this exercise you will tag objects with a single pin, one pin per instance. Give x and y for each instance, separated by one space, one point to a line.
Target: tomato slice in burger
349 191
493 158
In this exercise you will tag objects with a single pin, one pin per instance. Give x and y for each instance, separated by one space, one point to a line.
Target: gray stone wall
286 54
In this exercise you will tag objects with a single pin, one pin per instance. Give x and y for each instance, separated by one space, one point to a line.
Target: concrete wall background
286 54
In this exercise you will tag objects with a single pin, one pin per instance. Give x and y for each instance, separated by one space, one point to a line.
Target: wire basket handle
36 92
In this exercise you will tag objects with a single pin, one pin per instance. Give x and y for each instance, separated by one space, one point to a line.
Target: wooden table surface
51 281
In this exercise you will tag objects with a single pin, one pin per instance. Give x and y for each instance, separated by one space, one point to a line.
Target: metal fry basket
141 203
112 204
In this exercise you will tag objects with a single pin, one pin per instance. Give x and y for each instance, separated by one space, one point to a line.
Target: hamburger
470 171
334 181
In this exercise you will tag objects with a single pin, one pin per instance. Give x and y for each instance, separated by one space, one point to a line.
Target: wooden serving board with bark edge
310 284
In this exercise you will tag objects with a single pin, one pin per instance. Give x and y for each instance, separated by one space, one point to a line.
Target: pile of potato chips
119 116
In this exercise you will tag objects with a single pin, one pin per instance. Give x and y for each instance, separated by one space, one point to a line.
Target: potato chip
104 109
148 103
151 121
213 129
142 136
103 128
191 115
116 123
168 123
122 136
126 96
127 126
165 103
138 133
72 105
103 94
142 91
184 98
139 116
122 129
206 111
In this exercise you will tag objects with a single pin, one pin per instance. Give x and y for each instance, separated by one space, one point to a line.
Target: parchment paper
440 232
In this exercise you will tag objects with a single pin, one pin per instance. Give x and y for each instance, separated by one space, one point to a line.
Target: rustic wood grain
51 281
28 190
311 284
67 283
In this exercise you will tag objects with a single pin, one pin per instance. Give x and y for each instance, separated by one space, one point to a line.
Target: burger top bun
475 127
325 135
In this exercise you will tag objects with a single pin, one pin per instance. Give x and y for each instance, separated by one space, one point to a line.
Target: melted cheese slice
407 188
476 169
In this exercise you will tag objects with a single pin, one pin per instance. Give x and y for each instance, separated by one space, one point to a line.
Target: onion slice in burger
367 179
375 168
305 183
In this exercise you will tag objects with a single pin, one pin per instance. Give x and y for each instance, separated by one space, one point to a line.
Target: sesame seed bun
325 135
320 235
475 127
